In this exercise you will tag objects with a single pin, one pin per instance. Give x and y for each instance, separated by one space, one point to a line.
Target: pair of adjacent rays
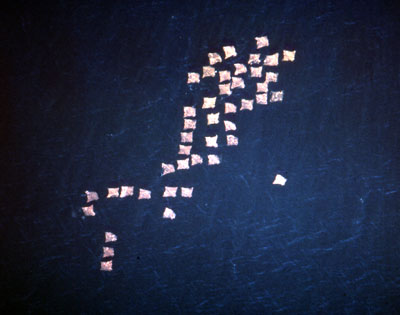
236 81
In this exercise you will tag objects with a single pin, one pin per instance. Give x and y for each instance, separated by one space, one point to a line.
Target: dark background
91 97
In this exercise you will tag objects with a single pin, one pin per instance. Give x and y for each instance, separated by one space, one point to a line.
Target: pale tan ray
271 60
184 149
208 71
213 119
256 72
224 75
271 77
214 58
213 159
232 140
144 194
237 83
186 192
113 192
183 164
240 68
212 141
126 191
279 180
110 237
91 196
276 96
170 192
88 211
262 87
229 51
169 214
262 99
229 126
196 159
193 77
106 265
262 42
254 59
209 102
189 111
189 124
187 137
225 89
247 104
108 252
230 108
167 169
289 55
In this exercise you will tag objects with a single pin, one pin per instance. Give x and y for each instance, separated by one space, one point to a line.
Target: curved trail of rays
230 77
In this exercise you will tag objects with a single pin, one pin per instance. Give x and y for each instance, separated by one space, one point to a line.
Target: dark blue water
92 98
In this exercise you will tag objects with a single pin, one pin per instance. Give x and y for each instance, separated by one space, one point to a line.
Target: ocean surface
92 95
